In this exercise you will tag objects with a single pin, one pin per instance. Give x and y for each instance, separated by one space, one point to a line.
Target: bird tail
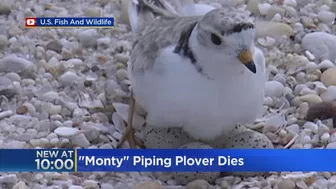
142 12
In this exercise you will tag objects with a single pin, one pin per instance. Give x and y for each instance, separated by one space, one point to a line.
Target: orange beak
246 58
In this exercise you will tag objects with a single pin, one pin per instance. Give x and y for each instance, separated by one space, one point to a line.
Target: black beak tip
251 66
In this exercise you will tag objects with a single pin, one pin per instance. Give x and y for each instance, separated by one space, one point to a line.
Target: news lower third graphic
78 22
166 160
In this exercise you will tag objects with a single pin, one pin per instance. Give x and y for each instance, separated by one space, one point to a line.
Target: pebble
331 145
263 8
274 89
252 6
66 131
292 3
333 7
80 140
121 57
8 179
20 185
286 184
198 184
266 42
149 185
273 29
5 114
295 128
88 37
122 74
328 77
4 8
54 45
311 126
13 76
54 109
75 187
321 45
329 95
50 96
275 12
93 12
309 55
3 41
21 110
12 63
325 137
326 17
326 64
106 186
90 183
104 42
74 63
69 78
309 98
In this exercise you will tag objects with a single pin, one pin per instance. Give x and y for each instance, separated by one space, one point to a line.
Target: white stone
90 183
274 89
326 17
325 64
307 90
309 55
286 184
50 96
69 78
329 95
268 101
273 123
290 3
75 187
306 140
325 137
88 37
13 76
295 128
3 41
322 45
8 179
276 18
121 57
331 145
309 98
80 140
104 41
311 126
5 114
12 63
66 131
263 8
55 109
273 29
106 186
73 63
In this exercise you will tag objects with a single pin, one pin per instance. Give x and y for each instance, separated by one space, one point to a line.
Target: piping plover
203 74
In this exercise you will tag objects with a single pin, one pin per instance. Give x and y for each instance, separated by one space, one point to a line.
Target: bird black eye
215 39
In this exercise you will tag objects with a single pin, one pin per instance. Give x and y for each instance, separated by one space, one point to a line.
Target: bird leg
129 134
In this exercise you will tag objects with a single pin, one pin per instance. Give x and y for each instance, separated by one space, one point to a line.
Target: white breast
176 95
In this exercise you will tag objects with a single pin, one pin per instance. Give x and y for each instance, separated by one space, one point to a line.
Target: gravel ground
69 88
